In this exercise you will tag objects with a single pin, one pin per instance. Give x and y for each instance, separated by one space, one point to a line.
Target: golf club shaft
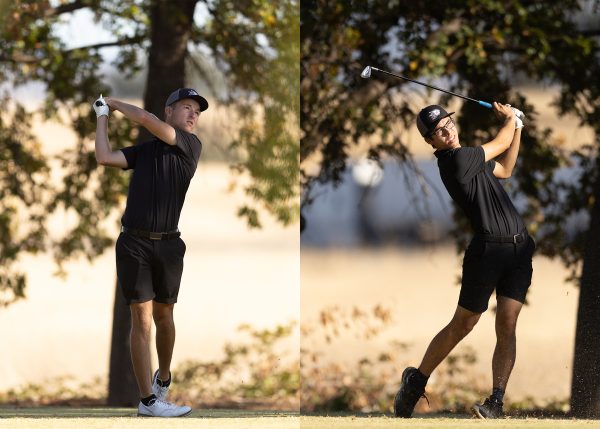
481 103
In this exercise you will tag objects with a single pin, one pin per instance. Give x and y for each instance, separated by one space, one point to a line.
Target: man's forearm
162 130
132 112
509 158
102 145
506 134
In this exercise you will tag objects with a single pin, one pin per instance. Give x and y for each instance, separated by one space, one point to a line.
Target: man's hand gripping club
100 107
104 153
519 118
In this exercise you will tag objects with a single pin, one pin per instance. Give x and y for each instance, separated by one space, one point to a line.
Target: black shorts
149 269
505 267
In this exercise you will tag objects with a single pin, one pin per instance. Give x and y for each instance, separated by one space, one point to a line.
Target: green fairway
83 418
362 422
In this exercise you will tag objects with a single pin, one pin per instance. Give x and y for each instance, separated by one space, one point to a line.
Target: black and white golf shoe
409 393
490 409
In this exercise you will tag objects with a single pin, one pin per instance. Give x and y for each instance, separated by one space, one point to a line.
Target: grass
451 422
116 418
109 418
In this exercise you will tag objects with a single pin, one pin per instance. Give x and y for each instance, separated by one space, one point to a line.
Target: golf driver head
366 73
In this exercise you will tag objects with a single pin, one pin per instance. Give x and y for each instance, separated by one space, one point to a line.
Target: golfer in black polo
149 250
498 257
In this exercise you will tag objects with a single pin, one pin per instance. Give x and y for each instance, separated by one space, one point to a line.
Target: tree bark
171 27
170 33
122 387
585 387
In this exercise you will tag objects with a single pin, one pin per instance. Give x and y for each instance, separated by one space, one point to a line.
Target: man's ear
168 111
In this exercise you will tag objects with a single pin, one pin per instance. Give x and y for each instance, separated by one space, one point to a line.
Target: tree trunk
171 26
170 33
122 387
585 387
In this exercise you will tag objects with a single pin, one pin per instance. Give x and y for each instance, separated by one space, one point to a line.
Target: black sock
497 394
149 400
164 383
421 379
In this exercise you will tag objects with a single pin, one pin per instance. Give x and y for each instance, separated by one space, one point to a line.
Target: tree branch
66 8
121 42
19 57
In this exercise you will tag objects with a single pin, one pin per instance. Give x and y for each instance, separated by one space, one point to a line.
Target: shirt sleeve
189 144
469 162
131 153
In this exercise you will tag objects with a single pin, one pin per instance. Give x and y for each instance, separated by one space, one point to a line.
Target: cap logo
433 114
192 92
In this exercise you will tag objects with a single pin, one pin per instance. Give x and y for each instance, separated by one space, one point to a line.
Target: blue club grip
486 104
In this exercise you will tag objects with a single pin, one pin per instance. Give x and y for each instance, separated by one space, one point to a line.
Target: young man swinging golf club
149 249
497 258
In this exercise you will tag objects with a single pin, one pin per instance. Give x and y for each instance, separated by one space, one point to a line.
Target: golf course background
59 345
405 292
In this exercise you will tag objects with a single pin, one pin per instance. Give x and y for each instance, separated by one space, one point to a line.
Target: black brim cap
183 93
428 118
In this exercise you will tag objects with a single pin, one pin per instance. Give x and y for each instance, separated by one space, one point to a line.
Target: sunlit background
234 275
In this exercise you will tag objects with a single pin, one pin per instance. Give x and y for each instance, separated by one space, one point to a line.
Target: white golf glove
519 117
100 107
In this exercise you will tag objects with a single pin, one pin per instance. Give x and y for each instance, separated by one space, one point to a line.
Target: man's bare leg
141 323
506 340
503 360
442 344
414 380
165 337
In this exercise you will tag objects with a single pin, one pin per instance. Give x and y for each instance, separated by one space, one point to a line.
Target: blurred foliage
255 45
329 384
58 391
255 372
531 407
3 12
367 381
481 49
24 175
475 48
268 72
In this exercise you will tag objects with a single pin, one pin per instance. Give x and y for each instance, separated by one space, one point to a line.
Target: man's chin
453 143
187 127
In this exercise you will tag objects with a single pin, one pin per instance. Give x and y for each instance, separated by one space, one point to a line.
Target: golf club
366 73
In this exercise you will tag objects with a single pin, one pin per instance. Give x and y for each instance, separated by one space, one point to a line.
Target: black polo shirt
471 183
161 177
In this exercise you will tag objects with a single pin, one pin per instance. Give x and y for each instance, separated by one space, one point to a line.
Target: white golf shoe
160 408
157 389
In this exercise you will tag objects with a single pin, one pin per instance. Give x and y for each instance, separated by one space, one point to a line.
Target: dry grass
419 287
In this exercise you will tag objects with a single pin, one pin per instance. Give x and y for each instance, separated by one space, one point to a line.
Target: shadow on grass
105 412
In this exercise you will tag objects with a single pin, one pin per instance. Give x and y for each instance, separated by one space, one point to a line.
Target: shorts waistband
514 239
151 235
